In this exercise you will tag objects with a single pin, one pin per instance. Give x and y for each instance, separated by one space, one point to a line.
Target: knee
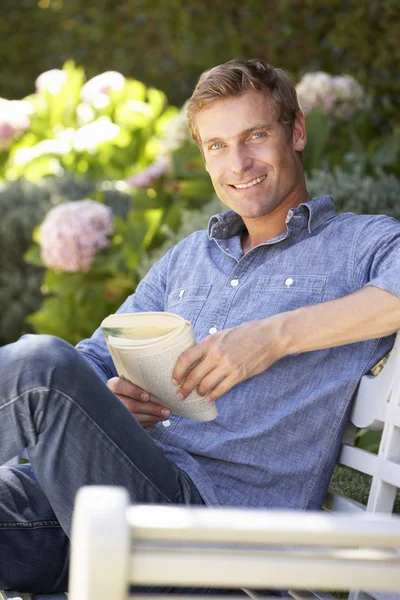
39 353
45 348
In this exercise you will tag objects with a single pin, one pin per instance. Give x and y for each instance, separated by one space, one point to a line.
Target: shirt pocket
187 301
281 293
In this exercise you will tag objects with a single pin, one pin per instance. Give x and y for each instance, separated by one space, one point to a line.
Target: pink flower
51 81
96 90
73 233
145 178
337 96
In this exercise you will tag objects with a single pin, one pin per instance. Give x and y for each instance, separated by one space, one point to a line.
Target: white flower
337 96
14 118
96 90
85 113
73 233
177 132
90 136
51 81
26 154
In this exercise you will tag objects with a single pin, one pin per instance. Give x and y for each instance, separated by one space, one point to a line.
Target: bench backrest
376 407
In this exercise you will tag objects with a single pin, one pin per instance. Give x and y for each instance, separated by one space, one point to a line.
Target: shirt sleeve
149 296
377 255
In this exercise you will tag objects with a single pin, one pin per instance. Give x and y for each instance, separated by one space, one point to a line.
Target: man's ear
299 135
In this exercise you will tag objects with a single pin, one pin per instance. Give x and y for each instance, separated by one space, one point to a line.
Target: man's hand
138 402
228 357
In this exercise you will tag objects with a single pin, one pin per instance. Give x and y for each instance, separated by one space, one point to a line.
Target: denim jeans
77 433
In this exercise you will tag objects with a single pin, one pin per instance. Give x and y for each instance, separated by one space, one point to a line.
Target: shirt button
289 282
234 282
166 423
212 330
181 294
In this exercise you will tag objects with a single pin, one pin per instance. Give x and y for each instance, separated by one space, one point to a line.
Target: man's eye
258 136
216 146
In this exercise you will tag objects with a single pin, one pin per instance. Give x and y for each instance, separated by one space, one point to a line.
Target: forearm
366 314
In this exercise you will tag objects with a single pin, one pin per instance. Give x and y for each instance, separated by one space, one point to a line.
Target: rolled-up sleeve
377 255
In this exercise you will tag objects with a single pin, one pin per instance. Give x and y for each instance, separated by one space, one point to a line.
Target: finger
220 389
185 361
210 382
195 378
123 387
146 421
152 409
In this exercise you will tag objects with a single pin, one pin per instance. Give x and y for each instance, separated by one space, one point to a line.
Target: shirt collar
314 213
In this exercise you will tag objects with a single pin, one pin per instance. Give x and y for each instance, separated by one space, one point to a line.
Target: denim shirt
277 435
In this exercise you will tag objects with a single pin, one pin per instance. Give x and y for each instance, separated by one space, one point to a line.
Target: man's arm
149 296
236 354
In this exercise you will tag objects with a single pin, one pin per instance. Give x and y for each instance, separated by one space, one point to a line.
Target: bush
23 205
358 193
163 44
108 127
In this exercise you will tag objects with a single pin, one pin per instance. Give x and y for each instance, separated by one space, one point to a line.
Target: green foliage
164 44
75 303
351 144
68 133
355 485
359 193
22 206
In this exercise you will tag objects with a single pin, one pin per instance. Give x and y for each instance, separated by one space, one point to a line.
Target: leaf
386 152
319 129
157 100
33 256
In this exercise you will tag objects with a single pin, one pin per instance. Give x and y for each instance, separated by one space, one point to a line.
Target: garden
98 173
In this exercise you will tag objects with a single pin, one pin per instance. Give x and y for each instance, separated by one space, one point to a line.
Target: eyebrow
243 133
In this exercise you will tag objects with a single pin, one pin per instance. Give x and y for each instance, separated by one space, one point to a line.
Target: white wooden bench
114 544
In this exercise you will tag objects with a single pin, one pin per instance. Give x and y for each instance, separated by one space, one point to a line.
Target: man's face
251 161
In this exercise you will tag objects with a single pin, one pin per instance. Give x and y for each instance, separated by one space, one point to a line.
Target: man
290 304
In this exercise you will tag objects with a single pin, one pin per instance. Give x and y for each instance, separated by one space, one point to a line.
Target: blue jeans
77 433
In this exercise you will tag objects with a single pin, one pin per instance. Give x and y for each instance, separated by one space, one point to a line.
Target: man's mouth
244 186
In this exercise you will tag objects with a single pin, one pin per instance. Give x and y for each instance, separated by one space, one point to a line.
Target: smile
243 186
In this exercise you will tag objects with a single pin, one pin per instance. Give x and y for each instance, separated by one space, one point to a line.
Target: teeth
243 186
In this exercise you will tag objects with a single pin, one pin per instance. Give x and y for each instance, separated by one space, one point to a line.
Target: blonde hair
237 77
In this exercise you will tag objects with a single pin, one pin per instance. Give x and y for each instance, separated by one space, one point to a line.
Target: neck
262 229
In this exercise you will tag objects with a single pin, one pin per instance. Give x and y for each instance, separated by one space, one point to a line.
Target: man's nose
240 161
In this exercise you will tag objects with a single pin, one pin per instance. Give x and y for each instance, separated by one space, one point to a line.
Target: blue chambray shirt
277 435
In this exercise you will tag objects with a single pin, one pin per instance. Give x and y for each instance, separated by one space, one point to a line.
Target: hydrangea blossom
72 234
14 118
337 96
96 90
51 81
145 178
89 137
85 114
26 154
177 132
